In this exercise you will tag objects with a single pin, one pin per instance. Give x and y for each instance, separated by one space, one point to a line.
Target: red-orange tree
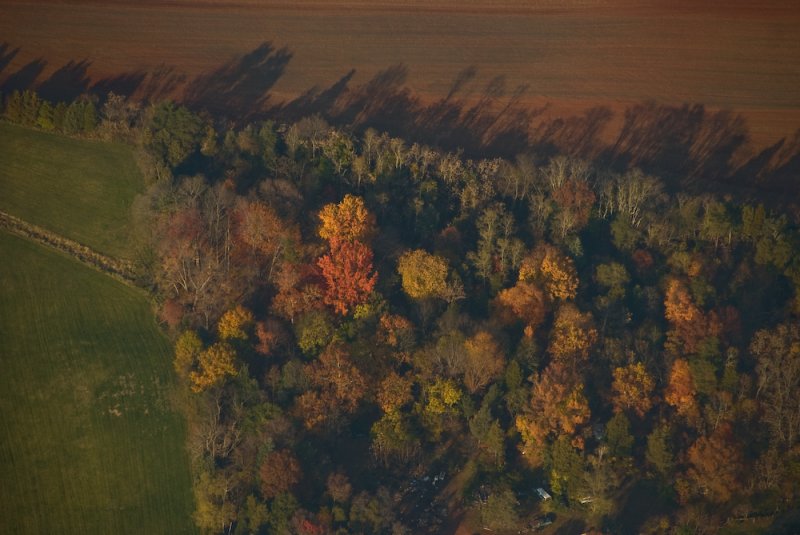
349 278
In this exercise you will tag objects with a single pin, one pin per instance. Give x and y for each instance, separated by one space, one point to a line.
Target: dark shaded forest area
374 334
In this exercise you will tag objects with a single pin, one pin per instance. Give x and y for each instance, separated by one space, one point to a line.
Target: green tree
614 277
214 510
45 118
187 352
13 108
172 133
30 107
314 331
73 119
488 434
281 510
659 452
499 512
618 436
566 469
59 114
89 119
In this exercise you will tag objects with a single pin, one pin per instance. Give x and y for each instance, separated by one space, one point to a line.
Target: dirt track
560 59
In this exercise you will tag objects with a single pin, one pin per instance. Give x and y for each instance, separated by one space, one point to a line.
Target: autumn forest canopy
374 335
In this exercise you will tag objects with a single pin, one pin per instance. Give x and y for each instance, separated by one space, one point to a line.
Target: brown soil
558 58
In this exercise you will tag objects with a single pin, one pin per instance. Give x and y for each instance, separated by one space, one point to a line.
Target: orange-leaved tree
349 278
395 330
394 392
689 325
347 220
680 392
633 389
555 271
484 361
716 464
557 406
524 302
262 236
299 290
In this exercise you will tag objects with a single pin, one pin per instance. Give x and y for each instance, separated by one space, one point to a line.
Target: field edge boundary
120 270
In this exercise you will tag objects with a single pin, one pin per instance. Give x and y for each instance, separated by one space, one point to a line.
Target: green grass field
80 189
88 443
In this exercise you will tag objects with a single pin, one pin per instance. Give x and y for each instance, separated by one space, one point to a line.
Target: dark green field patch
81 189
88 443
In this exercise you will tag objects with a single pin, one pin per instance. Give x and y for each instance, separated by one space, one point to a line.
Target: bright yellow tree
573 334
215 363
234 323
348 220
423 274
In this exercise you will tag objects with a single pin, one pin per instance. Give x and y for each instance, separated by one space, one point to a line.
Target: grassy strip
81 189
88 440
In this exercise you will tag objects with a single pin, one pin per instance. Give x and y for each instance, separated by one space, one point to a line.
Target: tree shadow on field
66 83
577 135
161 83
24 77
688 146
124 84
693 148
775 169
381 102
239 88
685 142
315 101
490 120
6 55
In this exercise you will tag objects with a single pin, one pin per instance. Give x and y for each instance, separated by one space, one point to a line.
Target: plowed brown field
558 58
